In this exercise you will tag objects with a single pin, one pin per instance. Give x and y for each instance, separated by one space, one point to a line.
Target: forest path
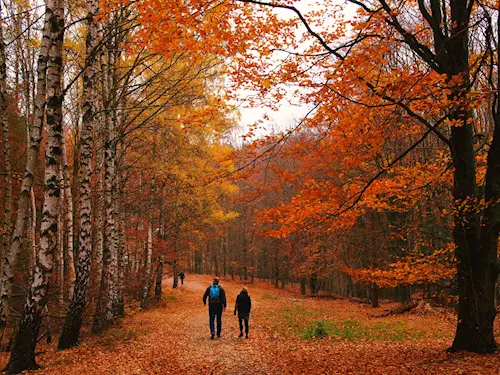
226 355
174 338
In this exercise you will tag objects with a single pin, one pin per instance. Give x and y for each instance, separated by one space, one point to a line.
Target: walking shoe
212 337
246 336
241 334
218 335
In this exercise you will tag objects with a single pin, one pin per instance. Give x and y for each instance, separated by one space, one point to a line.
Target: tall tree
446 51
6 154
74 317
11 254
23 350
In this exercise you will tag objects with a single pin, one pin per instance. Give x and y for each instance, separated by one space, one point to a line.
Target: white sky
287 115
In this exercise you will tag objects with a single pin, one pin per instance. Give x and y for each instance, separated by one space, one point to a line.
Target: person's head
216 280
244 290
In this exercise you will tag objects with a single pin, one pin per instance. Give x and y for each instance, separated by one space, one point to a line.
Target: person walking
243 307
181 276
216 305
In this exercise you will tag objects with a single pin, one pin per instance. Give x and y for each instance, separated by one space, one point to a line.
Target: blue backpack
214 293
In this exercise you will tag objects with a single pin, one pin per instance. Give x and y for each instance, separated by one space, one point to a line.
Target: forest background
119 156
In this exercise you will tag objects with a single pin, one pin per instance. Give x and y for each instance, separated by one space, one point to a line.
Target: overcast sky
287 115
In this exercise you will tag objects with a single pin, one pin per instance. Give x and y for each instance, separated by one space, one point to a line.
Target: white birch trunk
6 155
23 350
33 229
111 237
70 259
60 237
147 266
72 325
111 243
99 257
99 246
107 294
10 258
120 308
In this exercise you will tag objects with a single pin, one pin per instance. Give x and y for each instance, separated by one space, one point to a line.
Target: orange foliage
410 271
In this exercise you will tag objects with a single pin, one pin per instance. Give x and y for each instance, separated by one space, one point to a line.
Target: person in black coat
243 307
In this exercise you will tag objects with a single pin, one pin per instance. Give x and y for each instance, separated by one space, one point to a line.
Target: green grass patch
352 330
300 320
318 329
171 297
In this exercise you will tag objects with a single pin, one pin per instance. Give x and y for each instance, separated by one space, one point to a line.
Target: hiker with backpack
243 307
216 305
181 276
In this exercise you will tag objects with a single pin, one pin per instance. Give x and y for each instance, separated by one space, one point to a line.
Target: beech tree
438 35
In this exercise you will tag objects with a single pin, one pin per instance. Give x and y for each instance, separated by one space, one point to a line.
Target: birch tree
6 155
74 317
9 259
23 350
147 265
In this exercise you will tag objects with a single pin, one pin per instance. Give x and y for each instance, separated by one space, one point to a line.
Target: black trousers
243 318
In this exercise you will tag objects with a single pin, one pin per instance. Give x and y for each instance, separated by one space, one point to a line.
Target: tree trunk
215 258
245 250
176 239
476 242
224 249
99 243
120 308
314 284
303 286
159 279
101 258
69 259
374 296
10 257
72 325
60 238
176 277
6 155
111 196
23 351
147 273
32 230
99 250
106 300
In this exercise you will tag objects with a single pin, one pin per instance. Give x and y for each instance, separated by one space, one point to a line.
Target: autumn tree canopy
122 161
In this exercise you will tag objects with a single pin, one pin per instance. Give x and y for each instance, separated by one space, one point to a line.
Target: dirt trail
227 355
175 339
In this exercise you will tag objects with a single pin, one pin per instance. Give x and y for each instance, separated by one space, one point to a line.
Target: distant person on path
243 307
181 276
216 305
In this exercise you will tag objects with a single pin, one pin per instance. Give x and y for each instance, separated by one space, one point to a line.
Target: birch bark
23 210
72 325
23 350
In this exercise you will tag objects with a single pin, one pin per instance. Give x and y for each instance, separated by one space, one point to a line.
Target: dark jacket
243 304
222 297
